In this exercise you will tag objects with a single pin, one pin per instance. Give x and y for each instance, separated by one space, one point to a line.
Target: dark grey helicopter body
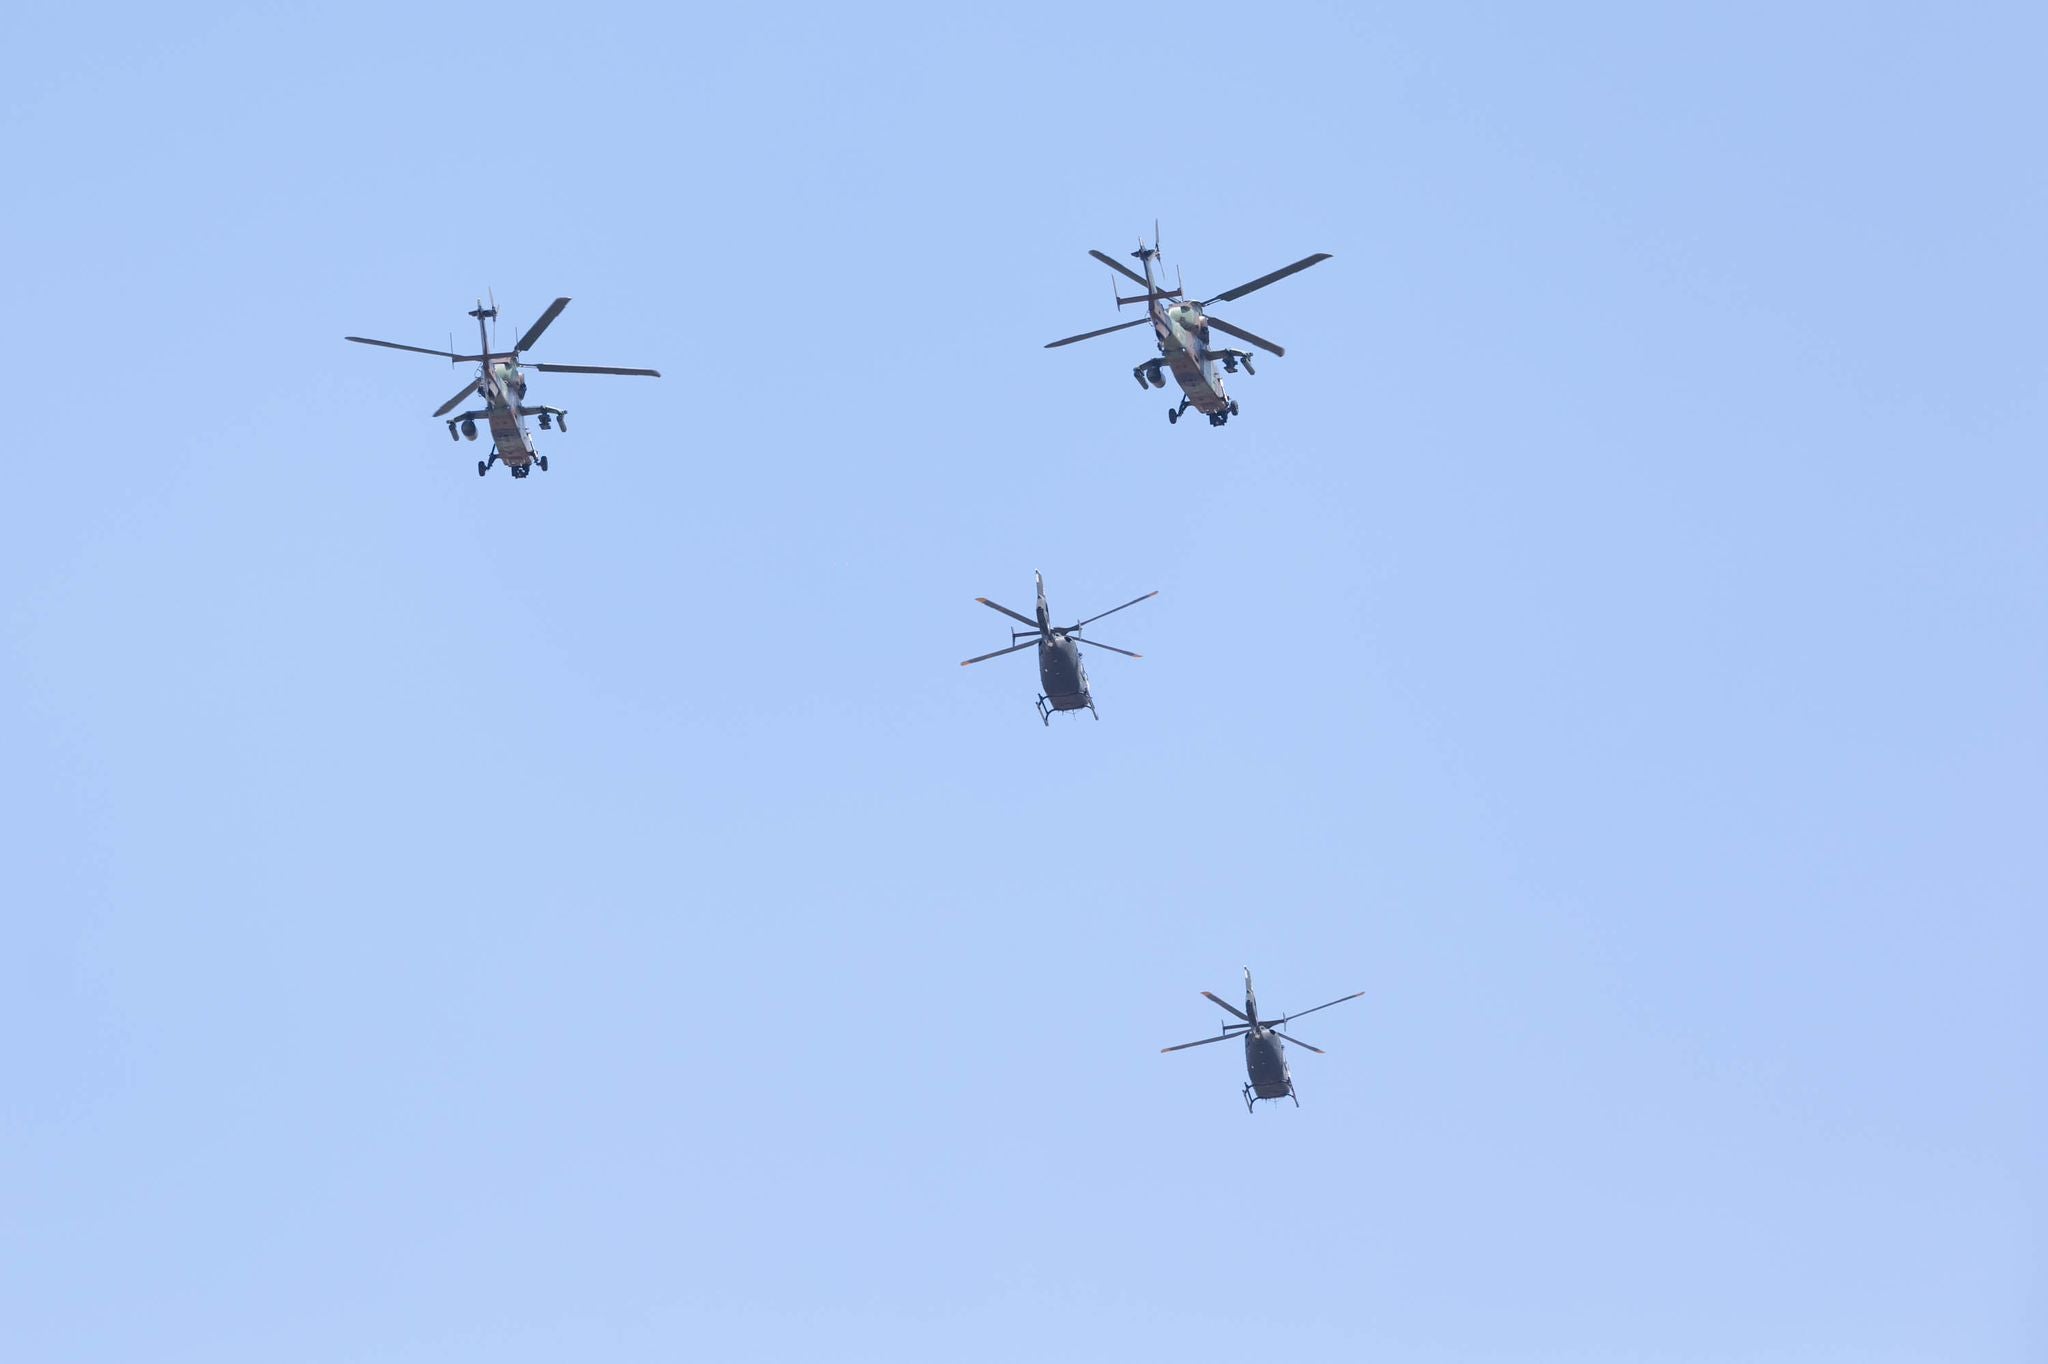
501 383
1181 327
1062 676
1265 1059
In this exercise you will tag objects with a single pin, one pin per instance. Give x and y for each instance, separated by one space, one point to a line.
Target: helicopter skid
1252 1096
1048 704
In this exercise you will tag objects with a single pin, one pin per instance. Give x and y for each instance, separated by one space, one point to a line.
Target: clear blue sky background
595 918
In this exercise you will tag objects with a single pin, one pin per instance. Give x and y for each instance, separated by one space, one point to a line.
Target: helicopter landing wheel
482 468
1233 407
1173 415
543 463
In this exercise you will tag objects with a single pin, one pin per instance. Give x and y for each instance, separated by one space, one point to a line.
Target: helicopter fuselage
1265 1064
1179 330
510 442
1061 674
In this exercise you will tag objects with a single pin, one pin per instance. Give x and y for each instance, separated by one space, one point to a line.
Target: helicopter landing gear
1044 712
543 463
1173 413
482 468
1251 1098
1233 407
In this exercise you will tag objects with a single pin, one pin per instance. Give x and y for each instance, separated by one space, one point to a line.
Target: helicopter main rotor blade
1114 609
1219 1037
1126 271
1261 342
1284 1018
445 408
1087 336
420 350
1098 644
1008 612
1027 644
1226 1007
1299 1043
1263 280
533 333
593 369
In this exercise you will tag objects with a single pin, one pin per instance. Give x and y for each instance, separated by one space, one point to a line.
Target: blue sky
594 917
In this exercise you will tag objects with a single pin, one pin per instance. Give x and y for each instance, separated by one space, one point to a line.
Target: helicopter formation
1182 331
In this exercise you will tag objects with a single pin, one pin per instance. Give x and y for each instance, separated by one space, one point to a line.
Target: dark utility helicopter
501 382
1060 671
1265 1060
1182 330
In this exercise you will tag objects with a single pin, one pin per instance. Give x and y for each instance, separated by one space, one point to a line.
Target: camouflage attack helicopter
1265 1060
501 381
1182 330
1060 671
